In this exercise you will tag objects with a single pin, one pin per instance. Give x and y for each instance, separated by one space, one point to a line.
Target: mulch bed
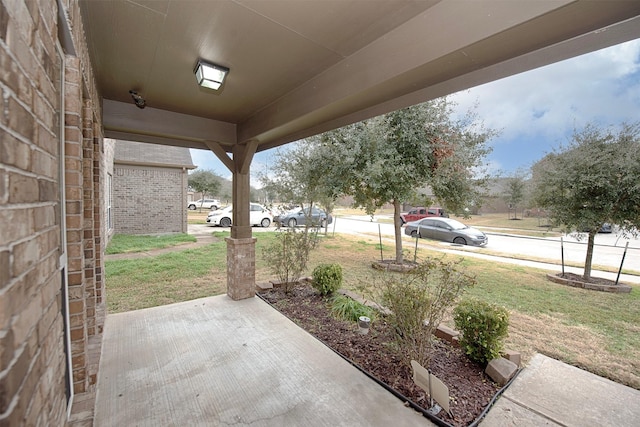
469 388
594 280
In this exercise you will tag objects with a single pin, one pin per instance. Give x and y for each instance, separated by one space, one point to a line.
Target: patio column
241 246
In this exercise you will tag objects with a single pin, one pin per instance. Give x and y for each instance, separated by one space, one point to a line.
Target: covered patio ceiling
299 67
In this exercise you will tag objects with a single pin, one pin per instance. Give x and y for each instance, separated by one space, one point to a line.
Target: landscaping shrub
327 278
418 301
483 326
287 256
346 308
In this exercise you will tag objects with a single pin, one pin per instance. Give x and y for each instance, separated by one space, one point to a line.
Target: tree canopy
387 159
514 192
298 174
205 182
592 181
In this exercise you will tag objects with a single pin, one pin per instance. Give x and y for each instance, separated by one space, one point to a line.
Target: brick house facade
51 227
149 190
55 167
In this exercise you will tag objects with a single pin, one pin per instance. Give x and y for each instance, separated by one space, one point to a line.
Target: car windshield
456 225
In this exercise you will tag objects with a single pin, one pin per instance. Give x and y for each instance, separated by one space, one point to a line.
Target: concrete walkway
203 237
551 393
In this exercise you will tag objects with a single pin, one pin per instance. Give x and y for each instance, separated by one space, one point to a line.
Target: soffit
299 67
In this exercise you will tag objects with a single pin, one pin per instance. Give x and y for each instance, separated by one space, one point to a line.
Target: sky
535 112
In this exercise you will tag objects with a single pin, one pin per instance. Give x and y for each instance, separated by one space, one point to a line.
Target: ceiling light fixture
210 75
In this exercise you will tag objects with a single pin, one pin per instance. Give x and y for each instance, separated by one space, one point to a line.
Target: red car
421 212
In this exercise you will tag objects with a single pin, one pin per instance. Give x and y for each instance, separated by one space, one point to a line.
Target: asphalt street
608 251
504 247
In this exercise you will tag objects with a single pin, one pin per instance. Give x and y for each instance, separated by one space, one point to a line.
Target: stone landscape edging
619 288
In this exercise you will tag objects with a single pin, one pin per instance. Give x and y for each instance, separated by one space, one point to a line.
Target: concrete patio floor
218 362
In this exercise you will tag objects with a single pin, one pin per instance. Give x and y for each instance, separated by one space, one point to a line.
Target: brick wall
149 200
32 363
33 388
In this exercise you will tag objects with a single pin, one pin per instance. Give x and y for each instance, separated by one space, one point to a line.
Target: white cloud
206 160
546 104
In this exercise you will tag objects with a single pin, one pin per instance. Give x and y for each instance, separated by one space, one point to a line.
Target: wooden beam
125 118
221 154
243 155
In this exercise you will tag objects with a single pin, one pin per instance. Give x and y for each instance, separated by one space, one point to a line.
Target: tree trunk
204 196
587 262
397 226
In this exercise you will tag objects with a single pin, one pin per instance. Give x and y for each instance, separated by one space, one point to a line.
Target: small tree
300 175
418 302
288 255
515 191
385 159
205 182
592 181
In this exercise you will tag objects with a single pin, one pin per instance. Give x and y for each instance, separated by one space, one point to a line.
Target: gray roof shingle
143 153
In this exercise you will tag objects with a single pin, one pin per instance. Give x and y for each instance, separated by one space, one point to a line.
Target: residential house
149 188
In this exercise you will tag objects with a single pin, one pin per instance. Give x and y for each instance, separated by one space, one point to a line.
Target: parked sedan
606 228
446 229
299 216
258 215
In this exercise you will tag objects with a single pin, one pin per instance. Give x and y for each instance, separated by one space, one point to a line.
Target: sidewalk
204 237
551 393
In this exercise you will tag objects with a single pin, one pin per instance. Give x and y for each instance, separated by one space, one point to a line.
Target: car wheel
192 207
459 241
292 222
414 234
225 222
265 222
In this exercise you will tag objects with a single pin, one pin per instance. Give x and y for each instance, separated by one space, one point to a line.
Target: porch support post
241 246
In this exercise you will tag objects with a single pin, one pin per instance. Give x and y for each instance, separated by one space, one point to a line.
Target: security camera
138 99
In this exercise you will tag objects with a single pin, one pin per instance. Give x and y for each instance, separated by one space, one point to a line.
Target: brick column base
241 268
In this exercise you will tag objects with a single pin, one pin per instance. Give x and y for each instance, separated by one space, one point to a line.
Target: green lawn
124 243
597 331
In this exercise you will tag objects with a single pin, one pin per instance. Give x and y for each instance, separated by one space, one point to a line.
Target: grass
524 257
596 331
197 217
346 308
125 243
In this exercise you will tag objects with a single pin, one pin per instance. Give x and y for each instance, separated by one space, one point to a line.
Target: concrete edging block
501 370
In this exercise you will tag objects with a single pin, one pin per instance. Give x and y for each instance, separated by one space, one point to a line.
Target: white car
258 215
204 203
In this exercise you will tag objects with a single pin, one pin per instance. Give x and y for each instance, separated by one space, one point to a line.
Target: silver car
299 216
446 229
